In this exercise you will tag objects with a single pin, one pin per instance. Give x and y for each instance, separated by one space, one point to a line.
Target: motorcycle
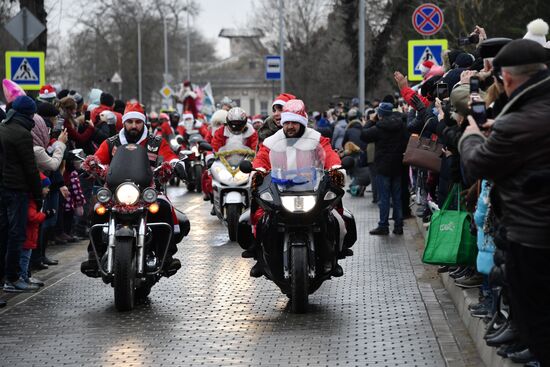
303 230
194 159
230 186
136 245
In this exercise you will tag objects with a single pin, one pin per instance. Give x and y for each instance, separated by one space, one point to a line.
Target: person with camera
518 147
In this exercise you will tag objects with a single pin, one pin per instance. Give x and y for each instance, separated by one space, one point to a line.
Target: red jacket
407 93
74 135
34 219
103 153
262 157
249 137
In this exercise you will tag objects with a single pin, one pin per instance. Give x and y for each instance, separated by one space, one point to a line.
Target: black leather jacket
517 148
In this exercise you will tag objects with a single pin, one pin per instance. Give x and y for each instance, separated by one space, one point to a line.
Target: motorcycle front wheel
125 271
232 214
299 280
198 178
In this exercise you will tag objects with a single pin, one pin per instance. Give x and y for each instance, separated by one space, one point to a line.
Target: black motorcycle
304 229
135 231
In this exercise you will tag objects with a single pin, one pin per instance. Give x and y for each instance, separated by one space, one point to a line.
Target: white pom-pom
538 27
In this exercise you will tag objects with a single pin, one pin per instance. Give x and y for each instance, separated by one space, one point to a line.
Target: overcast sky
214 15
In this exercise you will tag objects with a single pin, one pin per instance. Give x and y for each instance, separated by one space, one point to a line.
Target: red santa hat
282 99
46 92
133 111
294 111
426 66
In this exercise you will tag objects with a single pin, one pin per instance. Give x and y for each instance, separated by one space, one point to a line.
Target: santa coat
309 141
104 156
34 219
224 136
96 111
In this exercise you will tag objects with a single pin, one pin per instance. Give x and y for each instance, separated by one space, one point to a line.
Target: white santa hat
537 31
294 111
426 66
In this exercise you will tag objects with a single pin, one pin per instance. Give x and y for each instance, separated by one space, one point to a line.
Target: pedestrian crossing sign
26 69
422 50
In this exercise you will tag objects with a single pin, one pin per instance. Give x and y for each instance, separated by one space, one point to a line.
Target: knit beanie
24 105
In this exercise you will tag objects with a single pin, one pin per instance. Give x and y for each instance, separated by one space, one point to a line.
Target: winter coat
18 169
34 219
46 161
390 139
268 128
76 198
223 135
353 134
338 134
263 161
485 241
517 148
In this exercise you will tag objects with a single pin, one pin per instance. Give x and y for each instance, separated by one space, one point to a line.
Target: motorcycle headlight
104 195
298 204
127 193
149 195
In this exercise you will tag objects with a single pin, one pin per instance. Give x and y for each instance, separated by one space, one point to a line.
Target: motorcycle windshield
129 163
297 165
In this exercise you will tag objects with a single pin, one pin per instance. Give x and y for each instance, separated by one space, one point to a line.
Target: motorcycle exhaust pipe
140 245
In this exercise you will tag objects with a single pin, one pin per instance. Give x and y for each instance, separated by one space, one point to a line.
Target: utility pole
188 46
139 59
361 56
165 49
282 45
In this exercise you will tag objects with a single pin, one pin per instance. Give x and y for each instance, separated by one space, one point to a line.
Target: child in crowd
74 203
34 219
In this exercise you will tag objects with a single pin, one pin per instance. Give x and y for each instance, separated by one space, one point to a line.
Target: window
263 108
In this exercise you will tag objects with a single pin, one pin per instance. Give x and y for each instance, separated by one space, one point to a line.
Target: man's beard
132 135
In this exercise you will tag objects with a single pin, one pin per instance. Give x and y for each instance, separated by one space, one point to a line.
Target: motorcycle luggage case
185 227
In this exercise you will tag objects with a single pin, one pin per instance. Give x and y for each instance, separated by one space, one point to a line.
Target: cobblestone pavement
382 312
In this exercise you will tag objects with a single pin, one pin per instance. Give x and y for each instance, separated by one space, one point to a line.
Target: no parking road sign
427 19
422 50
26 69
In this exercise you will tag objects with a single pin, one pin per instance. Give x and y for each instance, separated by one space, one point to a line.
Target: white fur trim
294 117
133 115
186 116
305 142
279 102
124 141
48 95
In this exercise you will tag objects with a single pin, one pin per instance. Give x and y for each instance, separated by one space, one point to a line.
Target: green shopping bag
449 240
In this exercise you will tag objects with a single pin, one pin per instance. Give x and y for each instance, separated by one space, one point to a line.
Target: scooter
231 187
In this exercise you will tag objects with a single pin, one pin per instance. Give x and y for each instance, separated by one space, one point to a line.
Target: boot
257 270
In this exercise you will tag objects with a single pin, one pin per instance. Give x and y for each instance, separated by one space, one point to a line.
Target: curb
475 326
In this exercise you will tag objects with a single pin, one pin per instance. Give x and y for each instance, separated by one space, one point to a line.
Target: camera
442 91
479 112
474 84
470 40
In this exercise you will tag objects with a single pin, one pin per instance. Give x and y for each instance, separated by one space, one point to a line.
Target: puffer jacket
485 241
390 137
517 148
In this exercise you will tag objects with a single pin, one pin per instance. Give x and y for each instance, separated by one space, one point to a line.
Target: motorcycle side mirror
245 166
205 146
348 162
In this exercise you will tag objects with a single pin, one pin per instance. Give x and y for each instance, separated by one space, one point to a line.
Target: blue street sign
273 67
26 69
427 19
423 50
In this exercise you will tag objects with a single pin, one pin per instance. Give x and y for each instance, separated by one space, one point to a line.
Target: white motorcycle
231 187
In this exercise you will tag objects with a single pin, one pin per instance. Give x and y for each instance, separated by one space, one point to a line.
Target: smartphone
442 91
474 84
479 112
86 115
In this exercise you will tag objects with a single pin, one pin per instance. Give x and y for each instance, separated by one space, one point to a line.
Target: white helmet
236 120
108 116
